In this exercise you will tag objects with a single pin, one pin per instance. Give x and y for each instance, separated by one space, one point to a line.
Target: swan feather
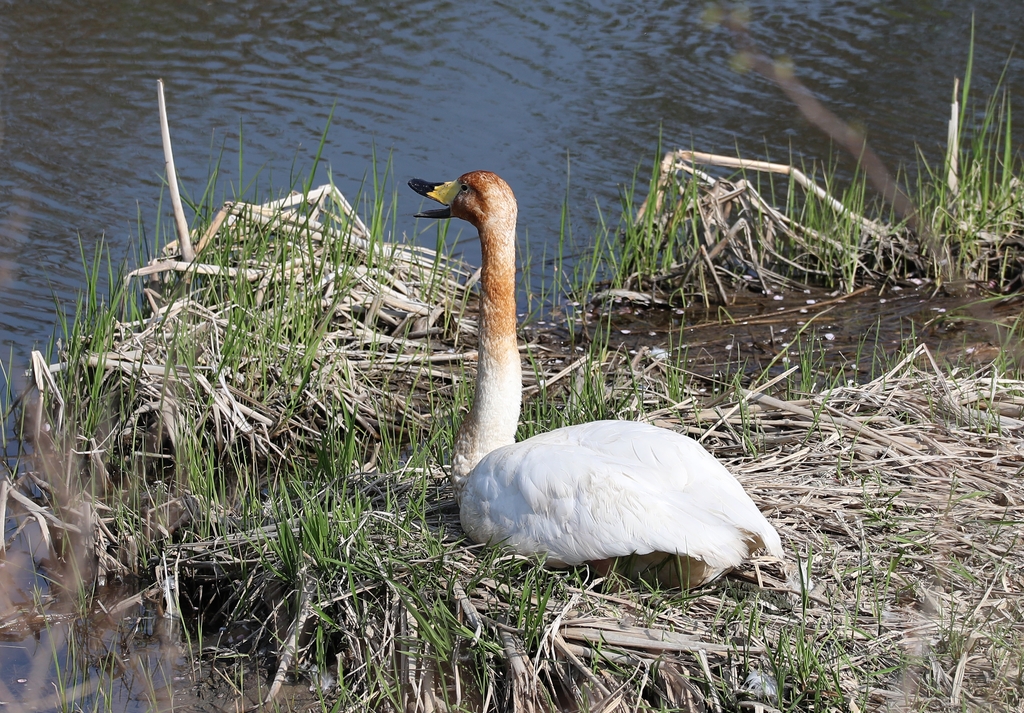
612 489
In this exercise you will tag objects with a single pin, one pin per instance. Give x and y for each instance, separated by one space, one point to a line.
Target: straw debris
900 500
363 334
710 235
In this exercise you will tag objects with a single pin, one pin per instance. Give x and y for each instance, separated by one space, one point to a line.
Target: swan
623 496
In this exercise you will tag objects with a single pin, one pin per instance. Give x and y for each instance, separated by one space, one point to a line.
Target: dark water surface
443 88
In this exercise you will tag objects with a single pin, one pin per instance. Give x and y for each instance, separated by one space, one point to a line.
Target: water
536 94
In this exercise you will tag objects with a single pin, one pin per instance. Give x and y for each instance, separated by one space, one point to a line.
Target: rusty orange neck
494 417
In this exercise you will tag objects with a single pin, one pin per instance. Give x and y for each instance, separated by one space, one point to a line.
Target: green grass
656 248
290 471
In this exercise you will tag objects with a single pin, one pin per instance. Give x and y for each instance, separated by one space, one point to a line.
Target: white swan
646 501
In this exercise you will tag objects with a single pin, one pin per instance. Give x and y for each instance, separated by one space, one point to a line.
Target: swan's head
478 197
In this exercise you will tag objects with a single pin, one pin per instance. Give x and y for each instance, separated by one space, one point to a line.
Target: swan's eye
465 188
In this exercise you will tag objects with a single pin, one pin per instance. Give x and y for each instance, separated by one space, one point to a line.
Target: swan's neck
493 419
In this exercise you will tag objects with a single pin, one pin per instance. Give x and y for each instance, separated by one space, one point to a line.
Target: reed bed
385 310
258 437
900 503
297 328
294 323
726 233
698 233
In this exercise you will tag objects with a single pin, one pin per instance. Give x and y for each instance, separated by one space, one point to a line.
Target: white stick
184 240
953 142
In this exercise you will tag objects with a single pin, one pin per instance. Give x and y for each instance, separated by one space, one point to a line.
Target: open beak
443 193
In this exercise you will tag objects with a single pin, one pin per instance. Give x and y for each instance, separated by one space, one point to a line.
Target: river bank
254 444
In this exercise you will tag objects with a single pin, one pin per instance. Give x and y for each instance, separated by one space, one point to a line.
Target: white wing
611 489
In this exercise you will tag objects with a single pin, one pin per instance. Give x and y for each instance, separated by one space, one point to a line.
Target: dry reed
733 235
900 501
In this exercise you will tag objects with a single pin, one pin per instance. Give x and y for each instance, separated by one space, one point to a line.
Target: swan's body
646 501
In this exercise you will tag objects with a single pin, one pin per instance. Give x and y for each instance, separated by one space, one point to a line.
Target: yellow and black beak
441 192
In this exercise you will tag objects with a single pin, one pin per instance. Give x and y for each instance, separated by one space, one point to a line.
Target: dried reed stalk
897 498
900 499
